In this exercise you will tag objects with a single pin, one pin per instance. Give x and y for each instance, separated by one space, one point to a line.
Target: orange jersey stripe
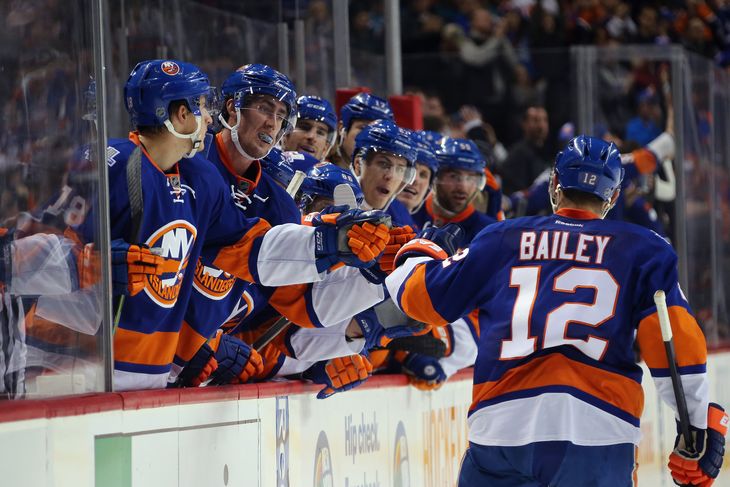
189 342
290 302
557 370
491 180
474 317
689 342
416 302
234 258
156 348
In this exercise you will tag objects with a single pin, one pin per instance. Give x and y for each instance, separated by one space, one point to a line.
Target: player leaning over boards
174 202
557 393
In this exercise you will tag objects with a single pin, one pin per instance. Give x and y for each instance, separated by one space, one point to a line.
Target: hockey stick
136 204
295 183
661 307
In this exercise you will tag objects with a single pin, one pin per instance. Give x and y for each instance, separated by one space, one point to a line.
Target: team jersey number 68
527 281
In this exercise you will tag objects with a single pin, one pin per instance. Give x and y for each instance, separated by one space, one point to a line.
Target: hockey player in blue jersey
258 106
563 300
358 112
174 202
414 195
460 177
316 129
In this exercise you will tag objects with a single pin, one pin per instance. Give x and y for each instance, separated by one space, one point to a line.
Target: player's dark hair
153 130
581 198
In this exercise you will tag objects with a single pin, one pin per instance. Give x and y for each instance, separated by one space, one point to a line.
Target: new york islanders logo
173 242
212 282
170 68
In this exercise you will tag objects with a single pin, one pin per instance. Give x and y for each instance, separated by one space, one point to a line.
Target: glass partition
50 313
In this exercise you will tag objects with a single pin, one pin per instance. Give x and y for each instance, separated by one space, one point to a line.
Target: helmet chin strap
193 137
236 140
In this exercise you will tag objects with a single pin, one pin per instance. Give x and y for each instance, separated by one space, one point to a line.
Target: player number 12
527 281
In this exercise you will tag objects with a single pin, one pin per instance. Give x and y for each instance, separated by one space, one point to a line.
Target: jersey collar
174 170
577 214
442 220
250 180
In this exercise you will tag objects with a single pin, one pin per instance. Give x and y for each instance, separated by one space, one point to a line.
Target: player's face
319 203
382 176
348 143
309 136
413 194
455 188
261 122
206 120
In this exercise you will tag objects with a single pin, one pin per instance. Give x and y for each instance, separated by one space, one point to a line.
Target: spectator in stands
489 63
647 32
530 156
643 128
698 38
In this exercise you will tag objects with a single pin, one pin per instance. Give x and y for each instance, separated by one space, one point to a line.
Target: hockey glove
353 237
237 361
339 374
131 264
424 372
702 466
398 237
377 336
450 237
199 368
224 359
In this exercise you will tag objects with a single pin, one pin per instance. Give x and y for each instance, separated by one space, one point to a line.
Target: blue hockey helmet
278 166
424 152
365 106
322 179
260 79
311 107
385 136
153 85
460 154
432 138
590 165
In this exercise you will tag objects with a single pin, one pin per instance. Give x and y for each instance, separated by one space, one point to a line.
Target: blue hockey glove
437 243
353 237
199 368
424 372
224 359
449 237
131 264
237 361
339 374
377 336
701 466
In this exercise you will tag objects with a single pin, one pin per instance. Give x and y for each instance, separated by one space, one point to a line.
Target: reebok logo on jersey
172 241
212 282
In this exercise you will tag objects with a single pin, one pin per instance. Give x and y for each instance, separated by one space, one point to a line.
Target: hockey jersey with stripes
562 301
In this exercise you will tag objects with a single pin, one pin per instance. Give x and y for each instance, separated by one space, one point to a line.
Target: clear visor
274 109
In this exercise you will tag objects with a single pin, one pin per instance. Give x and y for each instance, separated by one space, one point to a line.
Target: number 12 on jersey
556 332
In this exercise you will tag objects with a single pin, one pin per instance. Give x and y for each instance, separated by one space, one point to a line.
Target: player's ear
180 113
357 166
